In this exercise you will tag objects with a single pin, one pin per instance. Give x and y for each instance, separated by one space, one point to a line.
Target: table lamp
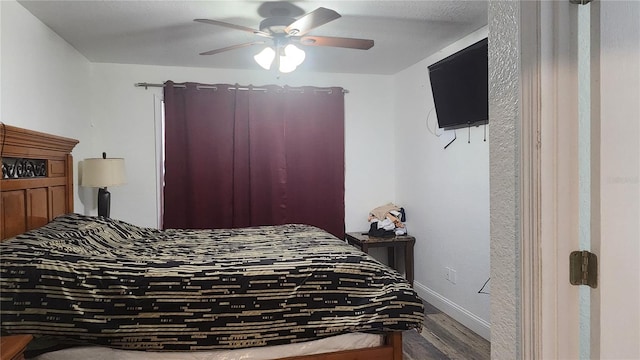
101 173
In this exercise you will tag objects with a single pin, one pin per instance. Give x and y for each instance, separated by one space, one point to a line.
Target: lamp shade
294 54
290 58
265 57
103 172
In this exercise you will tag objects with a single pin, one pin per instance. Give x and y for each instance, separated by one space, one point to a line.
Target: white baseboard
460 314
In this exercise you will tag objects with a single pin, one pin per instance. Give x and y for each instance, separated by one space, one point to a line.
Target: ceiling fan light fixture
265 57
294 54
286 65
290 59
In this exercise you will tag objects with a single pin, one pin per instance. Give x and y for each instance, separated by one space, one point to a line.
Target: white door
615 162
590 177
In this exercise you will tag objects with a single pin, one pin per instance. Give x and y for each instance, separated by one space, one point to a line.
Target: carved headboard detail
37 179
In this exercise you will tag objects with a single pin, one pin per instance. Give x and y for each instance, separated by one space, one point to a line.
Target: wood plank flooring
443 338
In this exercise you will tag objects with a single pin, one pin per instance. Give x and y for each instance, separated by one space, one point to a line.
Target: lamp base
104 202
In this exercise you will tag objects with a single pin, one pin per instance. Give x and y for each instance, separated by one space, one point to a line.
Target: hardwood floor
443 338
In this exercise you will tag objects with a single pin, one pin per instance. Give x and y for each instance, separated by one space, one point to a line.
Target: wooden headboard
37 179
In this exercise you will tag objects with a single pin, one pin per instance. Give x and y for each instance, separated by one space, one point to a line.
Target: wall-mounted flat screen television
460 87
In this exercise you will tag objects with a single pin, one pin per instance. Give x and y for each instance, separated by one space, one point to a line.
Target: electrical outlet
453 277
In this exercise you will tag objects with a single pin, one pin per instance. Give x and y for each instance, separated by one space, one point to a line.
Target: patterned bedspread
106 282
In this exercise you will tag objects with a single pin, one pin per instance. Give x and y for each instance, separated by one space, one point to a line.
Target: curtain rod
148 85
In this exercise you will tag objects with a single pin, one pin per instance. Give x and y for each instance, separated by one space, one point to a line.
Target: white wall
45 81
446 195
122 117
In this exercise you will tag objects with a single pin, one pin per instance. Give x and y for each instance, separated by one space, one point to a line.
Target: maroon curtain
314 123
265 156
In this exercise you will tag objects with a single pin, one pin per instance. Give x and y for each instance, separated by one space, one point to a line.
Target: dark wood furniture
12 347
406 242
37 179
27 203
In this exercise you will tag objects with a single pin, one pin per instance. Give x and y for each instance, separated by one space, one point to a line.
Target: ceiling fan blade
351 43
234 26
232 47
310 21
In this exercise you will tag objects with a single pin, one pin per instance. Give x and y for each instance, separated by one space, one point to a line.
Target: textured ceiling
164 33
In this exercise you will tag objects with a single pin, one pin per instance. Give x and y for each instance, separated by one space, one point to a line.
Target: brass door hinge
583 268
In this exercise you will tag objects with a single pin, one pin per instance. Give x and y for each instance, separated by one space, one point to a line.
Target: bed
84 280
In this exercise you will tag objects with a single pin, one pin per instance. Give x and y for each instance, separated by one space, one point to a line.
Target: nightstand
12 347
406 242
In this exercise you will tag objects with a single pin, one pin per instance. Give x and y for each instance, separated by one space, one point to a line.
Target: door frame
530 285
549 311
548 172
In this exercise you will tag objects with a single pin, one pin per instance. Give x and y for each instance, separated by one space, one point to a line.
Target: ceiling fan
285 31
